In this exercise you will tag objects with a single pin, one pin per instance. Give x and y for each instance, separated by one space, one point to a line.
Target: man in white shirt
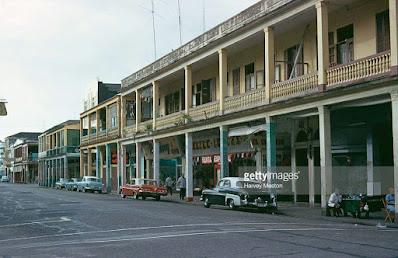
182 183
334 203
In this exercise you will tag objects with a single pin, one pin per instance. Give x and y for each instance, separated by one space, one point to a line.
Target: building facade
59 153
292 84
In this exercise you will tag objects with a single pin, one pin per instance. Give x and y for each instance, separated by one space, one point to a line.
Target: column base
188 199
323 211
321 87
394 70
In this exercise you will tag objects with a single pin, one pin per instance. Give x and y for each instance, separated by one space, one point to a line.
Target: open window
130 109
345 44
250 81
383 31
236 81
290 57
172 102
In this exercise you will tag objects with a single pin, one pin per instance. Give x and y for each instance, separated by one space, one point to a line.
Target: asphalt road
40 222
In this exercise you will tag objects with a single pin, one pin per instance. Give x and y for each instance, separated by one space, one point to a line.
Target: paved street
42 222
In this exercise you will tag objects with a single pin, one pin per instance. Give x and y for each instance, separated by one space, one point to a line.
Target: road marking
39 245
172 226
62 219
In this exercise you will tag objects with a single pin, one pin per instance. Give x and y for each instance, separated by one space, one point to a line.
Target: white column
118 167
156 160
138 160
66 167
123 164
325 143
269 58
394 111
137 108
155 102
188 88
293 160
259 160
323 44
189 167
311 179
223 70
393 10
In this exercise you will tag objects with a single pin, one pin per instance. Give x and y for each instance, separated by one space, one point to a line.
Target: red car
142 188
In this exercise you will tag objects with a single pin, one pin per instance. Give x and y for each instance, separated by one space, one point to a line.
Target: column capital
268 29
188 68
222 51
270 119
394 95
321 4
223 127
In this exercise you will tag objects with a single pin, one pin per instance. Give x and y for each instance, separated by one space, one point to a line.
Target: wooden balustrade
169 120
205 111
295 86
245 100
358 69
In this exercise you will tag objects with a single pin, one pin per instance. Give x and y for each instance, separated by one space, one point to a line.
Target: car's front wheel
231 204
122 194
207 203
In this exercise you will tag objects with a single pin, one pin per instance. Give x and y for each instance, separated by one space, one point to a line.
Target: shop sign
207 160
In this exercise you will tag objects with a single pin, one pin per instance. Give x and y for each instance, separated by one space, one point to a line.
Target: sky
51 49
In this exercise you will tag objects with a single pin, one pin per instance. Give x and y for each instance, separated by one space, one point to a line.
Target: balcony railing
100 136
143 126
169 120
246 100
359 69
295 86
205 111
129 130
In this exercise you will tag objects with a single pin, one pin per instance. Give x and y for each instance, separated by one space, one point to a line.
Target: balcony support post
123 164
98 161
155 103
108 157
119 165
138 160
223 70
325 144
137 109
269 61
188 88
81 163
156 160
189 167
393 10
224 151
66 167
271 148
394 111
323 45
89 162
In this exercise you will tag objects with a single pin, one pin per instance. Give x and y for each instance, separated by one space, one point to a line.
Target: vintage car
5 179
237 192
361 204
72 185
143 188
90 183
61 183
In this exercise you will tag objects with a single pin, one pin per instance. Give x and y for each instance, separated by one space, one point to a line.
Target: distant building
2 159
21 155
97 92
59 153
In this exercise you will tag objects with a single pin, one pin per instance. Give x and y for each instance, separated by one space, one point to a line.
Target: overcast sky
51 49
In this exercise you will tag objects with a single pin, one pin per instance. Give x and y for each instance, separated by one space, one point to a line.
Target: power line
153 26
204 17
179 21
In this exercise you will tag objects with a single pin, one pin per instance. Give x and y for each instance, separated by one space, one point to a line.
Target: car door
219 193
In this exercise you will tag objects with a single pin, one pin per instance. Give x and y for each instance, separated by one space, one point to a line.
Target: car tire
122 194
135 195
207 203
231 204
100 191
157 197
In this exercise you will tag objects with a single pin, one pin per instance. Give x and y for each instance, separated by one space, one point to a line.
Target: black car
237 192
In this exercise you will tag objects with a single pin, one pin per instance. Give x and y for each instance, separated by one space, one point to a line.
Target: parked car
237 192
61 183
90 183
143 188
72 185
5 179
361 204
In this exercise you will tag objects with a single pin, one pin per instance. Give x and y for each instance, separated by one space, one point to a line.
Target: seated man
334 203
390 202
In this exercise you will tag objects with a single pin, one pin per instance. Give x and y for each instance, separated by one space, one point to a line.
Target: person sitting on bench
390 201
334 203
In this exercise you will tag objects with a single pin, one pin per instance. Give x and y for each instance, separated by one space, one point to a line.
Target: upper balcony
101 123
278 63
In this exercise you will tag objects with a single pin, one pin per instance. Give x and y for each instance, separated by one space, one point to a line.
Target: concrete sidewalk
302 210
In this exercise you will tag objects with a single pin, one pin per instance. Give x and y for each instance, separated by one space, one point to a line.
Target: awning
241 131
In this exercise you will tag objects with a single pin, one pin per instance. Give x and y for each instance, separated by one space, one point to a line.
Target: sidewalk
302 210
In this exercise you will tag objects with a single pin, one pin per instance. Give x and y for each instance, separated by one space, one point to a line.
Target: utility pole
153 26
204 17
179 21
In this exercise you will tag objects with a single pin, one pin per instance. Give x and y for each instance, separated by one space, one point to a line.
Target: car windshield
93 179
245 184
63 180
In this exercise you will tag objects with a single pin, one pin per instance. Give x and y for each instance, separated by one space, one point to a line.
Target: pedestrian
182 183
169 185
